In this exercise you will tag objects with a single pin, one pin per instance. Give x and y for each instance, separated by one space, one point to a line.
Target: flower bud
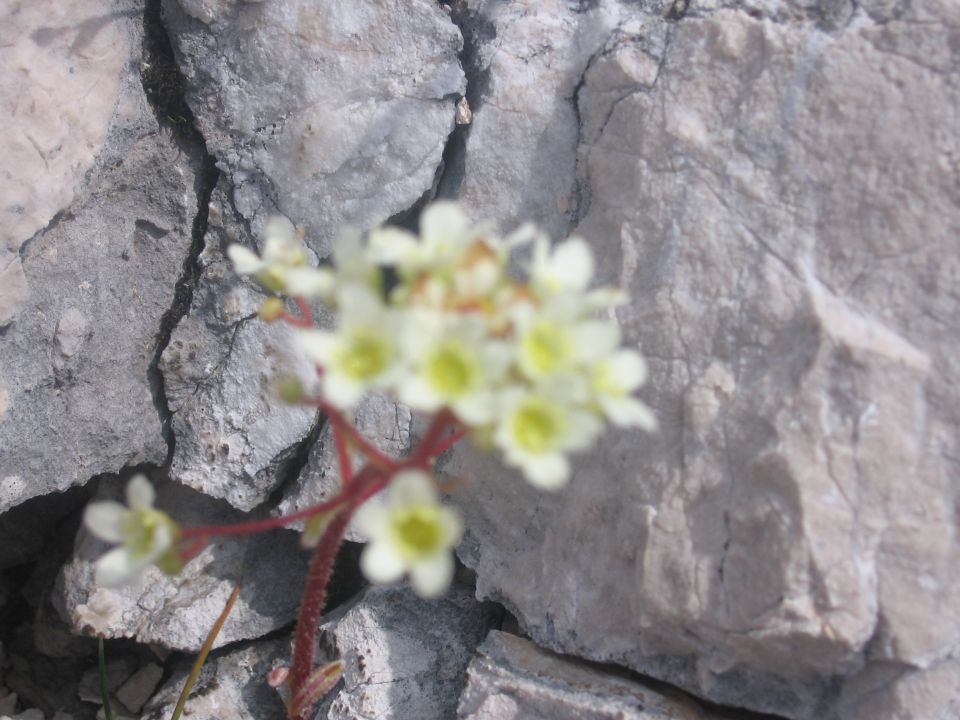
290 389
271 310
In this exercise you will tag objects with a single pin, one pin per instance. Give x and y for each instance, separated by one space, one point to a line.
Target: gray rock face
781 203
405 657
75 398
233 435
231 685
511 678
178 612
331 115
521 152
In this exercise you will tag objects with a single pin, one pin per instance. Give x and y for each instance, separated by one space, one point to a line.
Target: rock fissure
163 85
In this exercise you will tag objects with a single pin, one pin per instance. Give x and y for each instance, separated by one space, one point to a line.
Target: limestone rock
62 69
405 657
330 114
231 685
781 203
382 421
233 435
511 678
521 150
75 392
178 612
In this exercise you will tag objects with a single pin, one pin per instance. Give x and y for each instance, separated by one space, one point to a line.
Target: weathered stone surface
233 435
331 115
178 612
405 657
62 65
382 421
75 398
231 685
781 203
521 152
511 678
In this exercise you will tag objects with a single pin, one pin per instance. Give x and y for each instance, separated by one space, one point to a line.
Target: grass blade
104 693
204 651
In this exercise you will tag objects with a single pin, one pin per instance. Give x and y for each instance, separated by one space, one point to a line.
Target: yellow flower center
452 369
538 425
365 355
417 530
140 529
546 346
604 382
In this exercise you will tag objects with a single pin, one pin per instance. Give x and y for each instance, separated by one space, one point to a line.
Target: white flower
454 365
445 232
147 534
409 531
285 264
567 267
612 380
361 354
538 428
555 339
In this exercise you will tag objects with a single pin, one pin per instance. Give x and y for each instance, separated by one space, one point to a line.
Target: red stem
291 319
367 482
340 423
255 526
448 443
343 455
314 599
425 450
305 311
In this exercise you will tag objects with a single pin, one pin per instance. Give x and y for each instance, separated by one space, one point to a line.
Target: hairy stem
314 599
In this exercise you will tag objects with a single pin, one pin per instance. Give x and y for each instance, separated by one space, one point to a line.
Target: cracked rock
75 399
404 657
178 612
527 61
234 436
512 679
781 204
330 114
232 684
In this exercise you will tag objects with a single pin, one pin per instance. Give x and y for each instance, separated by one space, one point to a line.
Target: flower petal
140 494
105 520
412 487
310 282
628 369
381 563
571 265
442 224
372 519
431 577
629 412
582 431
547 472
245 261
391 246
118 568
476 409
595 339
318 344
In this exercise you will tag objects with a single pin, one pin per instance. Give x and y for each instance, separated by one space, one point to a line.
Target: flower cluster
526 364
499 338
